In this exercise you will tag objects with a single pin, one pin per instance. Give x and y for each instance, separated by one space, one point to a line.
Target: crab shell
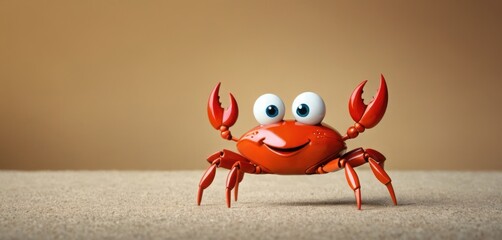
290 147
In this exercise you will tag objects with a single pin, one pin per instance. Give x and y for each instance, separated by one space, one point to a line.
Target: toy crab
301 146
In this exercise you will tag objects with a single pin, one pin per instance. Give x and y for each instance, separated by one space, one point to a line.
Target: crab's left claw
368 115
218 116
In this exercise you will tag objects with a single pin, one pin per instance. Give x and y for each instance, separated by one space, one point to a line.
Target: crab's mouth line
287 150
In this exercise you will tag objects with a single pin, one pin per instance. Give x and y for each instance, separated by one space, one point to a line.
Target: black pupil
272 111
302 110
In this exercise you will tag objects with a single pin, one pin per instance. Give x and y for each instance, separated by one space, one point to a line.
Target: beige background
124 84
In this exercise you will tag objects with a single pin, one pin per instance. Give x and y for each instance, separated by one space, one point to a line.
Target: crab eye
309 108
268 109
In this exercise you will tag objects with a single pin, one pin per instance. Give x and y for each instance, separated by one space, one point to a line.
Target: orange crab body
304 145
290 147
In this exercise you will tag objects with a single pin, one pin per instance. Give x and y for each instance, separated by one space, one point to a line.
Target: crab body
290 147
305 145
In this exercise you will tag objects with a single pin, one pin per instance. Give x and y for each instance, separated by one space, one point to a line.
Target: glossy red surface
289 147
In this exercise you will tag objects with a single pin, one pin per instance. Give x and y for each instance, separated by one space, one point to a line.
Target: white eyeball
268 109
309 108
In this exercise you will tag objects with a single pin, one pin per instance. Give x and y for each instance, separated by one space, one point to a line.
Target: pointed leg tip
236 194
391 192
236 191
228 197
357 192
199 196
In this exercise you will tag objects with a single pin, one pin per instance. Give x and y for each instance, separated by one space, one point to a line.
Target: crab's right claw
218 116
368 115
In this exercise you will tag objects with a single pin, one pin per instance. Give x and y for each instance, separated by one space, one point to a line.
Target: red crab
301 146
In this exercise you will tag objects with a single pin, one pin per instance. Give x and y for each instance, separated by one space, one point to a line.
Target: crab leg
235 176
240 176
353 181
206 180
237 164
232 181
355 158
379 172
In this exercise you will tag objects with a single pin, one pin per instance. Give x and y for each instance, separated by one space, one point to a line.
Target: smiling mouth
287 151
